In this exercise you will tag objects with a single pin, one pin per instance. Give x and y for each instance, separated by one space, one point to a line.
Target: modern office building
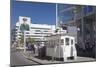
66 19
24 26
82 22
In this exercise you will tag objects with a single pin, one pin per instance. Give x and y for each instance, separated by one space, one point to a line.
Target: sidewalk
40 61
45 61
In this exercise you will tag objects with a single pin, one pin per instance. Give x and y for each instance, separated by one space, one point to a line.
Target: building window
67 41
45 31
17 26
27 33
38 30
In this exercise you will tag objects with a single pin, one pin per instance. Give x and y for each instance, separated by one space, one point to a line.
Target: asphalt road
17 59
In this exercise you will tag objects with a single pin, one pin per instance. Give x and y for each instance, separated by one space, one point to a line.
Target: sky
40 13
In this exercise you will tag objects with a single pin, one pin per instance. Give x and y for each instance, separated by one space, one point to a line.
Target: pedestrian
29 48
26 46
35 49
32 48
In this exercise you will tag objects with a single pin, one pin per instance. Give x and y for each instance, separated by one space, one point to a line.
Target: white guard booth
61 46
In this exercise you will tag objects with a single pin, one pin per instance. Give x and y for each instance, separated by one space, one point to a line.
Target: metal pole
82 22
56 28
24 42
60 42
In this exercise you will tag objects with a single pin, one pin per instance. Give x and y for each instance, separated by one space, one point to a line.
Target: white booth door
72 47
67 48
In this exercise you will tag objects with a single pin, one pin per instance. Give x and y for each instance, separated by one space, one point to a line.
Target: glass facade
67 13
88 9
67 16
64 6
64 14
85 17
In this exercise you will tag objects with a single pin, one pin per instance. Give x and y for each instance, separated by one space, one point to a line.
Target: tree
22 39
30 40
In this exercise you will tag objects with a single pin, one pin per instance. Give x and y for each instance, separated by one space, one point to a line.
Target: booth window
67 41
71 41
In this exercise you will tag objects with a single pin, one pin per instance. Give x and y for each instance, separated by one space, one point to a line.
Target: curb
29 58
38 60
34 60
